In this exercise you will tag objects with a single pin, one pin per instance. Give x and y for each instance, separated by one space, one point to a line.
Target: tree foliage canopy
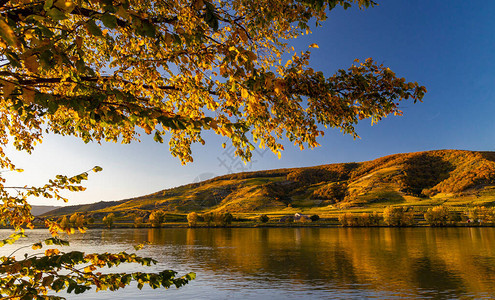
102 69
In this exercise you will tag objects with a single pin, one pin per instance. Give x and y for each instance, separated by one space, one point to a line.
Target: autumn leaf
7 88
243 36
244 93
37 246
65 5
7 34
28 95
51 252
32 63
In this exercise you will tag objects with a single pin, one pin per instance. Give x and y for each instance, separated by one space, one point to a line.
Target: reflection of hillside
428 261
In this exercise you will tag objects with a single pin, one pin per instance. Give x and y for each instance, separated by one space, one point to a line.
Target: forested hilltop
420 179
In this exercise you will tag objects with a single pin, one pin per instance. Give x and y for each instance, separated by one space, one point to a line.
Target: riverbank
318 224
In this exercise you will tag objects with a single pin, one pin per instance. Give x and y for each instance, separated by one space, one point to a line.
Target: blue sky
447 46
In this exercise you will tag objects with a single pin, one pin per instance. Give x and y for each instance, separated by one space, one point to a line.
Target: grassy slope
421 179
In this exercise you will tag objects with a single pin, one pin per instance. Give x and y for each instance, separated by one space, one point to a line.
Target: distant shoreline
271 225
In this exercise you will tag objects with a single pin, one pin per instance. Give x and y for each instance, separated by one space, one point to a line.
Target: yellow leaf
314 46
50 252
244 93
8 34
89 269
147 128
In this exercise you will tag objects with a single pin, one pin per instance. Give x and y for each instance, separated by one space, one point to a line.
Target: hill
421 179
38 210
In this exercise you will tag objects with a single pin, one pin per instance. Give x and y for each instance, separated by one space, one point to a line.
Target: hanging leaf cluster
102 69
42 273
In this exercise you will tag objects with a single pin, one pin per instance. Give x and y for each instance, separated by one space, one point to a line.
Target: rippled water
295 263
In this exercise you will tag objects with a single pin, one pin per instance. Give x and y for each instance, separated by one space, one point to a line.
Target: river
296 263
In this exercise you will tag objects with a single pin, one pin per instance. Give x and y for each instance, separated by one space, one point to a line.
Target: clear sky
447 46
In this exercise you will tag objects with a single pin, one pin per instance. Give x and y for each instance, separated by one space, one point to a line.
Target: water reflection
321 262
424 261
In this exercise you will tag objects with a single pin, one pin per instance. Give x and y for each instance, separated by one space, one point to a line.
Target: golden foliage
312 175
482 214
108 70
334 192
442 171
100 70
109 220
192 219
359 219
398 216
437 216
157 218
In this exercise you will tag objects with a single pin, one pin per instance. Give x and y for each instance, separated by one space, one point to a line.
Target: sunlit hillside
421 179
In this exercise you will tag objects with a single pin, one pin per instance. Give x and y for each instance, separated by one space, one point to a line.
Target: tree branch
81 11
36 81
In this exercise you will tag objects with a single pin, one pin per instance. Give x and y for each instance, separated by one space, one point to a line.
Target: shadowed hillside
451 177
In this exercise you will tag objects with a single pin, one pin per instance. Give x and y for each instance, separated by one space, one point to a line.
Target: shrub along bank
391 216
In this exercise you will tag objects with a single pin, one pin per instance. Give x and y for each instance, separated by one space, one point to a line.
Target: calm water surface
295 263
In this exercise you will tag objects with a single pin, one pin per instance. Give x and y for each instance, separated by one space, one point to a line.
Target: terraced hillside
451 177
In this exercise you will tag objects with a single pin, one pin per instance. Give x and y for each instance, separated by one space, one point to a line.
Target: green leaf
58 285
48 5
109 20
80 66
143 27
190 276
56 14
109 7
158 138
93 28
46 31
71 287
56 241
46 59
